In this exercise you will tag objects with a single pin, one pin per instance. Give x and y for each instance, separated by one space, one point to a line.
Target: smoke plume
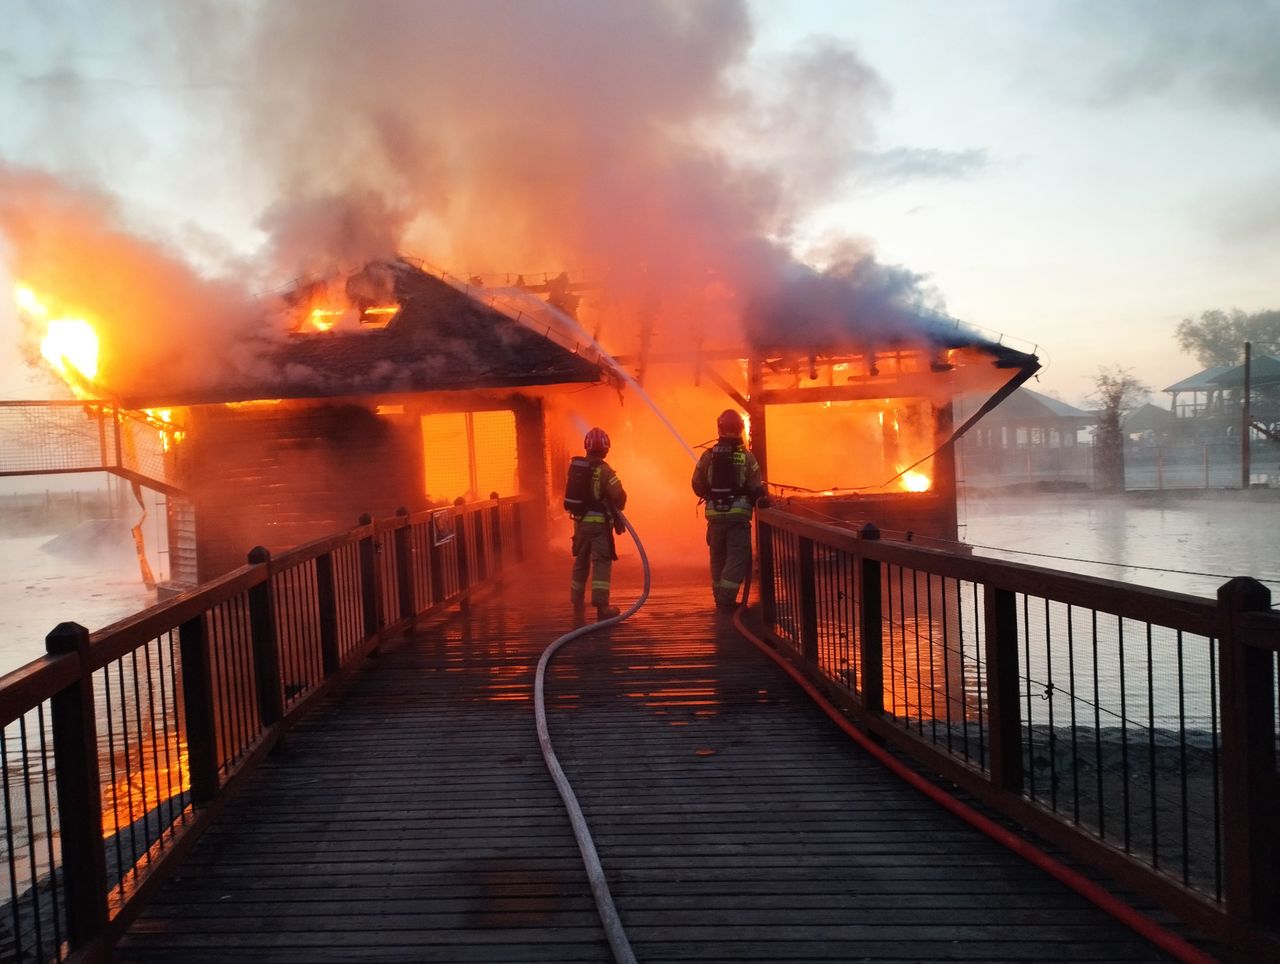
617 141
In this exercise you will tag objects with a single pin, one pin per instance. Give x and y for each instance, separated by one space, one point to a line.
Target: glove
764 502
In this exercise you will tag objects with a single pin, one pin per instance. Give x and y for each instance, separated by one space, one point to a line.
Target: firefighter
728 480
593 497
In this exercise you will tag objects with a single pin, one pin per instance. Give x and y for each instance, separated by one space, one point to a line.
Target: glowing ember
916 482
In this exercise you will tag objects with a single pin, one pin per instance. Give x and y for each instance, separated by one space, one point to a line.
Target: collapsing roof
441 339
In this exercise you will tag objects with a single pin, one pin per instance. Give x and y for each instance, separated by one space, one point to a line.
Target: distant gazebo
1199 395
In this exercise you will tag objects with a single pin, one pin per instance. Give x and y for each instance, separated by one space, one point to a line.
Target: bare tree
1115 389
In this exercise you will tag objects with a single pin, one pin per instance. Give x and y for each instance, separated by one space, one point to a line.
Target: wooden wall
283 475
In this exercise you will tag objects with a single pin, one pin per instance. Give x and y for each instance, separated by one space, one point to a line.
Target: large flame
69 345
916 481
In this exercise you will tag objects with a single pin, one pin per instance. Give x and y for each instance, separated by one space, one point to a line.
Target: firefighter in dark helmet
728 481
593 497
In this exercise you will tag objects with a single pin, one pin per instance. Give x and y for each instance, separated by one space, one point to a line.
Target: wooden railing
1136 728
118 746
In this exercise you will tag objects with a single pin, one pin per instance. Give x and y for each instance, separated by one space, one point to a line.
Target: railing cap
66 638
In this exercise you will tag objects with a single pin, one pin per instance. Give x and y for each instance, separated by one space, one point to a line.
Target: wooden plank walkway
412 819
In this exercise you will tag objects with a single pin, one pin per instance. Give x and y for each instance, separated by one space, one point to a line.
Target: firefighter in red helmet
593 497
728 480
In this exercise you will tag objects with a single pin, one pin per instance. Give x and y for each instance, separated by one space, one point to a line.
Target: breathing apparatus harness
726 474
584 495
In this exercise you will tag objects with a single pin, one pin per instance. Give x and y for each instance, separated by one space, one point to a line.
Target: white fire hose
618 942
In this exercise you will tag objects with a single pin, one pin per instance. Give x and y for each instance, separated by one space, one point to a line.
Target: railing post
517 525
327 602
495 532
460 547
808 602
871 627
369 590
764 551
197 697
1249 804
404 571
1000 622
266 646
436 559
481 566
75 753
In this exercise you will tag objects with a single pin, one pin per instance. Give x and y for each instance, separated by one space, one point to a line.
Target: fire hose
1132 918
614 931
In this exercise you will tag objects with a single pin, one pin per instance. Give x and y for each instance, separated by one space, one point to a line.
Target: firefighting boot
579 612
606 612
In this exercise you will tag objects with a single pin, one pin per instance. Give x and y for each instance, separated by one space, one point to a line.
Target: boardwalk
412 819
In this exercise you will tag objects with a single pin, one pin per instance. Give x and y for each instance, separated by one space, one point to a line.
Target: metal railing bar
29 816
10 847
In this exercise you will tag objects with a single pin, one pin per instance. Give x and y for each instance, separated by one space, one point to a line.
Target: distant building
1147 423
1199 395
1209 405
1027 438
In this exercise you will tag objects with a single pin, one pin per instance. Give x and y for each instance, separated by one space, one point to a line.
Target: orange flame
326 319
70 345
916 482
323 319
162 420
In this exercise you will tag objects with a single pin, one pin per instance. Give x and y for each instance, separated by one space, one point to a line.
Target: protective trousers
730 544
592 553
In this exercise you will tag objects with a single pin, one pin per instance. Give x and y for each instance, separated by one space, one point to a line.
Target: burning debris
363 300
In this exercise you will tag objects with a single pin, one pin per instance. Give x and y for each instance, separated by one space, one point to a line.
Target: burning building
396 391
865 433
398 388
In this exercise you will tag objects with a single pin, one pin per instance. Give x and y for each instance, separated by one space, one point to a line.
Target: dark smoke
855 301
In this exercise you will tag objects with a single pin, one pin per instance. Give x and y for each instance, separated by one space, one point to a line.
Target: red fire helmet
729 424
596 442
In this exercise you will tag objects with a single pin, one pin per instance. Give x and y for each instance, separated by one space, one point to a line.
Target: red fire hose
1158 935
